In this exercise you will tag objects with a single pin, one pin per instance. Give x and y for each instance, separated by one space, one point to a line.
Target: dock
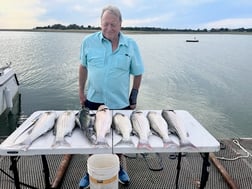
153 170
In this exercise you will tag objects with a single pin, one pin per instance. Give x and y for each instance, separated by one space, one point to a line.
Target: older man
108 59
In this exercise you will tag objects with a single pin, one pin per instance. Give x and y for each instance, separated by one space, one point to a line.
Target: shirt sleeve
137 66
83 59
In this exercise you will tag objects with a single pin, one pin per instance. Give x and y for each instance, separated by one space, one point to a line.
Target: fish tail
144 144
91 137
101 142
187 145
127 142
102 145
169 144
60 143
20 146
24 145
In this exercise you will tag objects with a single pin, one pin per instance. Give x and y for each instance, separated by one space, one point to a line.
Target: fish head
84 117
102 108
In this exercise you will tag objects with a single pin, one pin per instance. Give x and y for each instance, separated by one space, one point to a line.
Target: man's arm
82 82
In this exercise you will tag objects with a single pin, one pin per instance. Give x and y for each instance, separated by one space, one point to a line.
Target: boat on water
9 86
192 40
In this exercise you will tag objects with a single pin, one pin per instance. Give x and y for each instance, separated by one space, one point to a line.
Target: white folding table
79 144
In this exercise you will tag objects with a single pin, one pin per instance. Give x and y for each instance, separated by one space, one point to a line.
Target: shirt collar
122 40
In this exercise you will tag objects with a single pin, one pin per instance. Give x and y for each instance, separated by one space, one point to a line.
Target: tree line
153 29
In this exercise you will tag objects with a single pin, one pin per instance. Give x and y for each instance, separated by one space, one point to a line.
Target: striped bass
64 127
159 125
45 123
102 125
141 126
177 126
86 122
123 126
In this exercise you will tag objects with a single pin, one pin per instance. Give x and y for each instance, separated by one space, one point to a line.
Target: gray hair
113 10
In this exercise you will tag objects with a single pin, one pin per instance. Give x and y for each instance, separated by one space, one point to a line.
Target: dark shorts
95 106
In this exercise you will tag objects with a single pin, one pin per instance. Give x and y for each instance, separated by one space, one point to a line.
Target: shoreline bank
126 31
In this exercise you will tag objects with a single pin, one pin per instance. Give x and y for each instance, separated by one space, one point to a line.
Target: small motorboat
192 40
8 87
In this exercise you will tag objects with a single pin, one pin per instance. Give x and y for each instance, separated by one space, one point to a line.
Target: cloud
231 23
19 14
156 21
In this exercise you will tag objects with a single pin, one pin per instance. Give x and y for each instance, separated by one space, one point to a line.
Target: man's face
110 25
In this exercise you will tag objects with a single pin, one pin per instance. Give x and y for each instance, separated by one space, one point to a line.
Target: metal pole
178 168
46 172
14 169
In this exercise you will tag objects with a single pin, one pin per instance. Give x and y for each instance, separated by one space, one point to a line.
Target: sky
171 14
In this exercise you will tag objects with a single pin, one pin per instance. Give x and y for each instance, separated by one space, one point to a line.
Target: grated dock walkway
143 169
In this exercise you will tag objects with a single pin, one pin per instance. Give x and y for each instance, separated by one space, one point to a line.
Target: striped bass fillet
141 126
64 127
122 125
160 126
177 126
45 123
102 125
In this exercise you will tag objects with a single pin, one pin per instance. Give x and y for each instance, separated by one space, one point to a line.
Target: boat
192 40
9 87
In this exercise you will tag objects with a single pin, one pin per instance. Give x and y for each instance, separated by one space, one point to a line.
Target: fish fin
127 142
77 122
154 132
54 131
144 144
169 144
60 143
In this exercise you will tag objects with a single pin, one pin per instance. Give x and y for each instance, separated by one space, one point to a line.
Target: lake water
211 79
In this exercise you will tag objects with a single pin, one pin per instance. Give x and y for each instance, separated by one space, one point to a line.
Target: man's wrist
133 97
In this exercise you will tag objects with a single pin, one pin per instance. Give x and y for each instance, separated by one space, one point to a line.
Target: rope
160 162
238 157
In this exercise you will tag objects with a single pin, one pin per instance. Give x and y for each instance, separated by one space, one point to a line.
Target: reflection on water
11 119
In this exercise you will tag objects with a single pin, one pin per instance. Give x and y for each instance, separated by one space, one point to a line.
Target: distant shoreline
128 31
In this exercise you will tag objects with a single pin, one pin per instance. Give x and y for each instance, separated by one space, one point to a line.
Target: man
108 58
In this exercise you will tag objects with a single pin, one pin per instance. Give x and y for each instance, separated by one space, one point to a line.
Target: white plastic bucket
103 171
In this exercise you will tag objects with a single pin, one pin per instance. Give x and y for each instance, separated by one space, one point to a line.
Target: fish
122 125
141 126
178 128
45 123
86 124
64 126
102 125
29 126
160 126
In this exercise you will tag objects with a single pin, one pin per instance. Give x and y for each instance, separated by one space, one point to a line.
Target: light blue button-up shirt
109 72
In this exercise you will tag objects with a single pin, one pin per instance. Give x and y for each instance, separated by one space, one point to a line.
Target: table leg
14 169
205 172
178 168
46 172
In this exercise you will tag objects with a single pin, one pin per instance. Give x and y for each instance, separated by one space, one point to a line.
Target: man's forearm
137 82
82 78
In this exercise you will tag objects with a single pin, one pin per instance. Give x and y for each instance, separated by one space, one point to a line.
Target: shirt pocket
123 62
95 58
